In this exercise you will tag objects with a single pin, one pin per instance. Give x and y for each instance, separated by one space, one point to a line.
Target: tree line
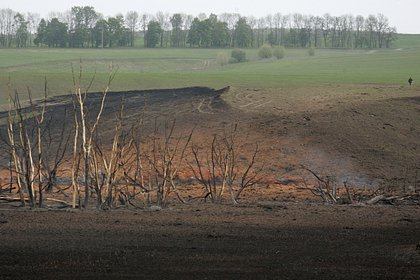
83 27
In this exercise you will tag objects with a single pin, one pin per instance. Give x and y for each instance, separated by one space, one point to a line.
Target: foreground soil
267 240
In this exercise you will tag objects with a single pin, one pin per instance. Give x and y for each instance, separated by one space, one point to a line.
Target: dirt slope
367 135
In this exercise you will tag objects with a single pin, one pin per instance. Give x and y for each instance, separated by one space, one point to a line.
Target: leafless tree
381 29
220 169
165 159
33 22
14 116
250 177
164 21
204 171
106 165
144 20
326 28
54 150
85 126
134 170
7 26
324 188
231 19
370 27
152 166
132 21
359 23
25 139
39 119
277 24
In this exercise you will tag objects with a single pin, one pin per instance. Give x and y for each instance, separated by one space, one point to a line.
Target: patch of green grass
167 68
407 41
326 67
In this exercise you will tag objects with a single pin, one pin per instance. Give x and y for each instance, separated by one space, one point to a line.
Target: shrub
233 60
265 51
311 51
222 58
279 52
238 55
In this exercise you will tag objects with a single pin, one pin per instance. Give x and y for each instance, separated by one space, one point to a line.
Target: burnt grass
148 109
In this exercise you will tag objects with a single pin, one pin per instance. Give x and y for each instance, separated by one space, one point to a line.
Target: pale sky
403 14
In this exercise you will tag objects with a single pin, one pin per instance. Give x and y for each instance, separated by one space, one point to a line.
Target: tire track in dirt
205 106
249 101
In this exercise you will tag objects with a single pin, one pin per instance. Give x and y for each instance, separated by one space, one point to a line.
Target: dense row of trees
83 27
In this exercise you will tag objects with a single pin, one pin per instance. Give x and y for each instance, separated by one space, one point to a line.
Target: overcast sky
402 14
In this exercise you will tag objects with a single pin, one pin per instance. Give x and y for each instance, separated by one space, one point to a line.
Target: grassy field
167 68
407 41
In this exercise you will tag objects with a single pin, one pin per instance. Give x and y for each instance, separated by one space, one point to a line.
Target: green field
167 68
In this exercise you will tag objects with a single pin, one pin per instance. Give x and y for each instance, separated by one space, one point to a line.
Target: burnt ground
365 135
204 241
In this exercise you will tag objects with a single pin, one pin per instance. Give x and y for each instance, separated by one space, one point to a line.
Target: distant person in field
410 81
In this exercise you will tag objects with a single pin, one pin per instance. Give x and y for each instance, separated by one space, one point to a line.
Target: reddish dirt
365 135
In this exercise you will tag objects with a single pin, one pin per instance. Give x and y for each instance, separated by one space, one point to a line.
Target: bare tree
371 23
87 126
249 177
324 188
326 28
22 142
220 169
165 159
317 21
33 22
205 172
231 19
39 119
132 21
152 166
106 165
358 39
13 117
164 21
261 25
381 29
54 151
277 18
144 21
7 26
133 168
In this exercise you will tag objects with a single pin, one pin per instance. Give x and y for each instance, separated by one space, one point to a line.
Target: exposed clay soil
365 135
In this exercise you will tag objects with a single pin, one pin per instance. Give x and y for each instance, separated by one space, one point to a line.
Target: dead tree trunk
14 146
85 124
110 163
39 118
